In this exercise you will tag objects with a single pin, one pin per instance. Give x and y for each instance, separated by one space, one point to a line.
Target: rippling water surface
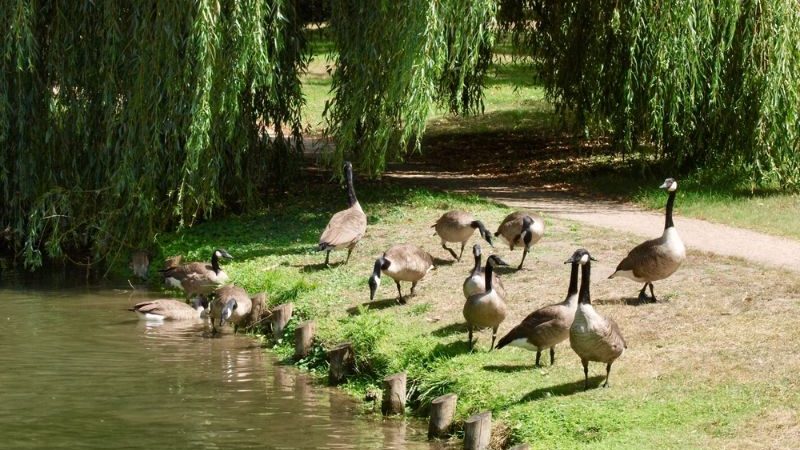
79 371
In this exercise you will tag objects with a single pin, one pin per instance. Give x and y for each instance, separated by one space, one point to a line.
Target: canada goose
521 228
487 309
547 326
458 226
475 282
231 303
346 227
168 309
655 259
197 278
402 262
592 336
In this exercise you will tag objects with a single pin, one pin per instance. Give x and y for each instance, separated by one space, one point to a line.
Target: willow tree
704 83
120 119
396 60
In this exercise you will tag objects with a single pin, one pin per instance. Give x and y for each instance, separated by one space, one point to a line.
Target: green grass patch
273 251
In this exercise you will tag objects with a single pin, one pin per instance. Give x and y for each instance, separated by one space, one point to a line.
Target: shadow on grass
308 268
510 368
376 305
449 330
561 389
628 301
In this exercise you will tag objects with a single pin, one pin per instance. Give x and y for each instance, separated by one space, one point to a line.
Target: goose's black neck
477 268
488 276
479 225
586 271
215 262
351 192
573 280
670 205
376 270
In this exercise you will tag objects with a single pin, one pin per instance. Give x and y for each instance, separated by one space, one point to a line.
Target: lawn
712 366
541 153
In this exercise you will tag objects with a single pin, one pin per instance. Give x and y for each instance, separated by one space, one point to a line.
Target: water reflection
79 370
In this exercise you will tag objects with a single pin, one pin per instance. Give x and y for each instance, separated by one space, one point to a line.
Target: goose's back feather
407 262
655 259
345 228
166 309
455 226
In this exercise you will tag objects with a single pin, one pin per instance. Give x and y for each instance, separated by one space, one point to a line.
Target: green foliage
395 59
365 331
709 83
119 120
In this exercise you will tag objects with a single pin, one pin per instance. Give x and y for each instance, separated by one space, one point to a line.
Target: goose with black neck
346 227
547 326
593 336
658 258
486 309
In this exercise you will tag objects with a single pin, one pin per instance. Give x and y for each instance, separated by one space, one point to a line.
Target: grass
714 366
522 136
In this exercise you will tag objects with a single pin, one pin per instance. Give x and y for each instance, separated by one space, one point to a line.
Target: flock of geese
593 336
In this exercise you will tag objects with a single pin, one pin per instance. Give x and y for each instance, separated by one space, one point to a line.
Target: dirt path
697 234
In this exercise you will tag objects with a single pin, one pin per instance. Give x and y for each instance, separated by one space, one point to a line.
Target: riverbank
712 366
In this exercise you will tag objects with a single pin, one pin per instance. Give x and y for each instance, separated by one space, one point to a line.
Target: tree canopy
121 119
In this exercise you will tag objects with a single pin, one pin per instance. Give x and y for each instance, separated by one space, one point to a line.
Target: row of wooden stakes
477 428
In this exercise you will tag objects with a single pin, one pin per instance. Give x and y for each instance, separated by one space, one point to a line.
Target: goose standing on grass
476 282
458 226
346 227
168 309
521 228
402 262
232 304
197 278
548 326
592 336
486 309
655 259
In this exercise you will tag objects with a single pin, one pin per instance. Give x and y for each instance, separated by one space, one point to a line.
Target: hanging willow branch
709 83
395 60
121 119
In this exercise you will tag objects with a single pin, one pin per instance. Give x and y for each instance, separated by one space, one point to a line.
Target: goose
346 227
475 283
168 309
197 278
658 258
402 262
592 336
458 226
521 228
486 309
547 326
231 303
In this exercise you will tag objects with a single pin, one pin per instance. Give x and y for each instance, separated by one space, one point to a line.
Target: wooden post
303 338
280 317
394 394
342 360
442 411
521 447
140 263
478 431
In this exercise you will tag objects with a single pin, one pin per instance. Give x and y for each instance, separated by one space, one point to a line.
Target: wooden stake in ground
394 394
280 317
342 360
303 338
443 409
478 431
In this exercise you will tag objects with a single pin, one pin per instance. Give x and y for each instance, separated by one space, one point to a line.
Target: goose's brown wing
344 229
646 259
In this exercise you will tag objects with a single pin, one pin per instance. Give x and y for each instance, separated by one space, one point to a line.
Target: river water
77 370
